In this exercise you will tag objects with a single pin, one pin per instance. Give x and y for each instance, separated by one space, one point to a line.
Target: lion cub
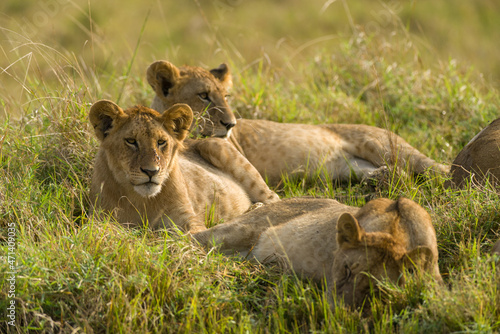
349 248
344 151
144 175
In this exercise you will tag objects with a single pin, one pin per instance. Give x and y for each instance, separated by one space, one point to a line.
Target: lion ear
410 212
178 119
420 257
349 232
103 114
162 76
223 74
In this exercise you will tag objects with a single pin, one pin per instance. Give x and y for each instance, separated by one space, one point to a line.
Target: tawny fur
479 158
344 151
143 176
325 240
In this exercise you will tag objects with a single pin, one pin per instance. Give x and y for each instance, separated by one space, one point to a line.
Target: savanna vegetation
426 70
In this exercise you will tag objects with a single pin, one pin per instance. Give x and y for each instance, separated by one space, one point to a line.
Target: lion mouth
148 189
148 183
215 133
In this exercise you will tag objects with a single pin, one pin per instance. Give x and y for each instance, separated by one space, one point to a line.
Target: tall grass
77 273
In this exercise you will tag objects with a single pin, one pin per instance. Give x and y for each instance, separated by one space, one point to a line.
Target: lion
144 174
351 249
478 159
344 151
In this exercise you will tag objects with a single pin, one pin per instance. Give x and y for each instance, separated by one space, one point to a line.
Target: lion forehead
200 81
197 73
140 126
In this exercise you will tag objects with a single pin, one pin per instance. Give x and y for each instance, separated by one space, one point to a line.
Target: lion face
356 272
363 259
204 91
140 145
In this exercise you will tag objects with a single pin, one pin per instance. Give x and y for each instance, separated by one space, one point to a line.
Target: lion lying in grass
479 159
350 248
143 175
345 151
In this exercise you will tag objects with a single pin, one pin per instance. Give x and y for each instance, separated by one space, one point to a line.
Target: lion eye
204 97
131 141
161 142
348 271
227 97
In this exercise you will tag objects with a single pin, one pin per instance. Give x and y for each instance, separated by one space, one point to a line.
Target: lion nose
228 125
150 172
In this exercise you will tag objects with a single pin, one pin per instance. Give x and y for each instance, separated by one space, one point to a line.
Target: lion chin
148 189
213 133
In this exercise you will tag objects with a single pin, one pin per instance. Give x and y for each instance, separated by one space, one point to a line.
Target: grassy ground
75 273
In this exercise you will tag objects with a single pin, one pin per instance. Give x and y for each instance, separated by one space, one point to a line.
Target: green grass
78 273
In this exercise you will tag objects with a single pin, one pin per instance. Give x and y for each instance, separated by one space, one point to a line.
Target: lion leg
226 157
179 210
232 238
383 147
352 168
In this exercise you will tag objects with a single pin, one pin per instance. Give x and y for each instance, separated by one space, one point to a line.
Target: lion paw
255 206
377 177
273 197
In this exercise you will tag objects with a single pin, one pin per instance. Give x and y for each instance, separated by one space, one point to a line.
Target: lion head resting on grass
350 248
143 176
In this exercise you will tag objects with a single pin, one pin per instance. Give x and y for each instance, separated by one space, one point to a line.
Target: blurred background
40 39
